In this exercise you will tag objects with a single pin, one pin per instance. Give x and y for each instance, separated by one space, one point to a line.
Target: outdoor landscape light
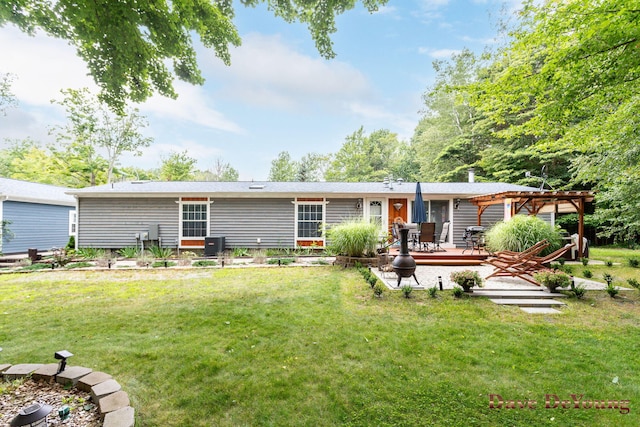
62 356
33 415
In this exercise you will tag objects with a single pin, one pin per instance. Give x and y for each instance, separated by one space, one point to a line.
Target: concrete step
508 293
527 302
540 310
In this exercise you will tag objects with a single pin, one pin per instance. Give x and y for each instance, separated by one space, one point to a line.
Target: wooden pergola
536 202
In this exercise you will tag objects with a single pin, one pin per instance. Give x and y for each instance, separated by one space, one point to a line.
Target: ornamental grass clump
522 232
354 238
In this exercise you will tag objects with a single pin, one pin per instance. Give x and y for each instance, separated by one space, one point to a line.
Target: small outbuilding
34 216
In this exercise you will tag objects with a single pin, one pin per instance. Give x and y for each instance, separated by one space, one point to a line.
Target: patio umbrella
418 214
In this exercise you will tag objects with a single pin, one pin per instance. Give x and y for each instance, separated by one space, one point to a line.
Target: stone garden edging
106 393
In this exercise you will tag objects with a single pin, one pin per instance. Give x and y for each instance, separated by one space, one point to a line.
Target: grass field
313 347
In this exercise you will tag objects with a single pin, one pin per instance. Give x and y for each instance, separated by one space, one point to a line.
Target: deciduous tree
366 158
93 127
177 167
129 45
283 169
7 98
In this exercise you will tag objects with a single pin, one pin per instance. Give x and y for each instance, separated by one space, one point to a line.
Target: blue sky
278 94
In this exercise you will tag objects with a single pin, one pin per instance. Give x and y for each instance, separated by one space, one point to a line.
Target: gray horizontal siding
113 223
243 221
467 215
339 210
35 225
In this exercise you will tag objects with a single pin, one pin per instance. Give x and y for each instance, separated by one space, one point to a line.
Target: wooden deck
452 256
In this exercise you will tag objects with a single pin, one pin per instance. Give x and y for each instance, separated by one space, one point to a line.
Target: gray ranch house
255 215
37 216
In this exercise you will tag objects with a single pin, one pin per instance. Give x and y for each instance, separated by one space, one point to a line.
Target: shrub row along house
254 215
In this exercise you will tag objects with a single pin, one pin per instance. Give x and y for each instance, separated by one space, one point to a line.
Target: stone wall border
106 393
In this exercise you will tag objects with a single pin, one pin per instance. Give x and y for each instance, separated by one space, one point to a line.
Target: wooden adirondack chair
514 264
531 264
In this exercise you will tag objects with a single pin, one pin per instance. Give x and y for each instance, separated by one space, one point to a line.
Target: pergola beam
535 201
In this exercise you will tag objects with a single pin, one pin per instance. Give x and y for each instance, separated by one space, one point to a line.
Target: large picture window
194 219
310 217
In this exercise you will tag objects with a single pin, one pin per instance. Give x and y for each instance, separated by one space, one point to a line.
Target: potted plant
553 279
466 279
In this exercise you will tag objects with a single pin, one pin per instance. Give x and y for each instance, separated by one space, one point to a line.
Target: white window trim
384 206
322 238
73 223
181 203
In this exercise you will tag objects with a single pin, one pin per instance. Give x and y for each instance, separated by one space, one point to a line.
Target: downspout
77 236
2 199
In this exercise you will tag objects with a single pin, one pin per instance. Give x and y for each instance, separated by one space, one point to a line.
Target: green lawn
620 268
313 347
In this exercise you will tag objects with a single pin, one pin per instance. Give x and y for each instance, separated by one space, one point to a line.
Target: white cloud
438 53
267 72
42 65
190 106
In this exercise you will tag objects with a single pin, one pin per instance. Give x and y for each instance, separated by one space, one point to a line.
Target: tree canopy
128 45
7 98
571 76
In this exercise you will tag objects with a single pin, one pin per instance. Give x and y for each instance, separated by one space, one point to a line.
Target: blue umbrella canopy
418 214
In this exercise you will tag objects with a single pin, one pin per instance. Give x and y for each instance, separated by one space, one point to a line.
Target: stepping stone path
529 300
106 393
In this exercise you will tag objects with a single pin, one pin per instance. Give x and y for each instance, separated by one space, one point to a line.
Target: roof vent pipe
472 174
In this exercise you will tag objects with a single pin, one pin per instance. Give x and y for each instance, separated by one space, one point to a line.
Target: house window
73 223
310 220
195 219
375 211
309 225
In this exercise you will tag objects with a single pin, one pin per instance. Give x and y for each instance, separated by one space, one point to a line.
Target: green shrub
356 238
240 252
36 266
607 278
567 268
406 290
372 279
634 283
78 265
164 263
579 291
611 290
633 262
160 252
71 244
129 252
458 292
584 261
281 261
91 253
378 289
608 263
553 279
433 292
205 263
522 232
587 274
